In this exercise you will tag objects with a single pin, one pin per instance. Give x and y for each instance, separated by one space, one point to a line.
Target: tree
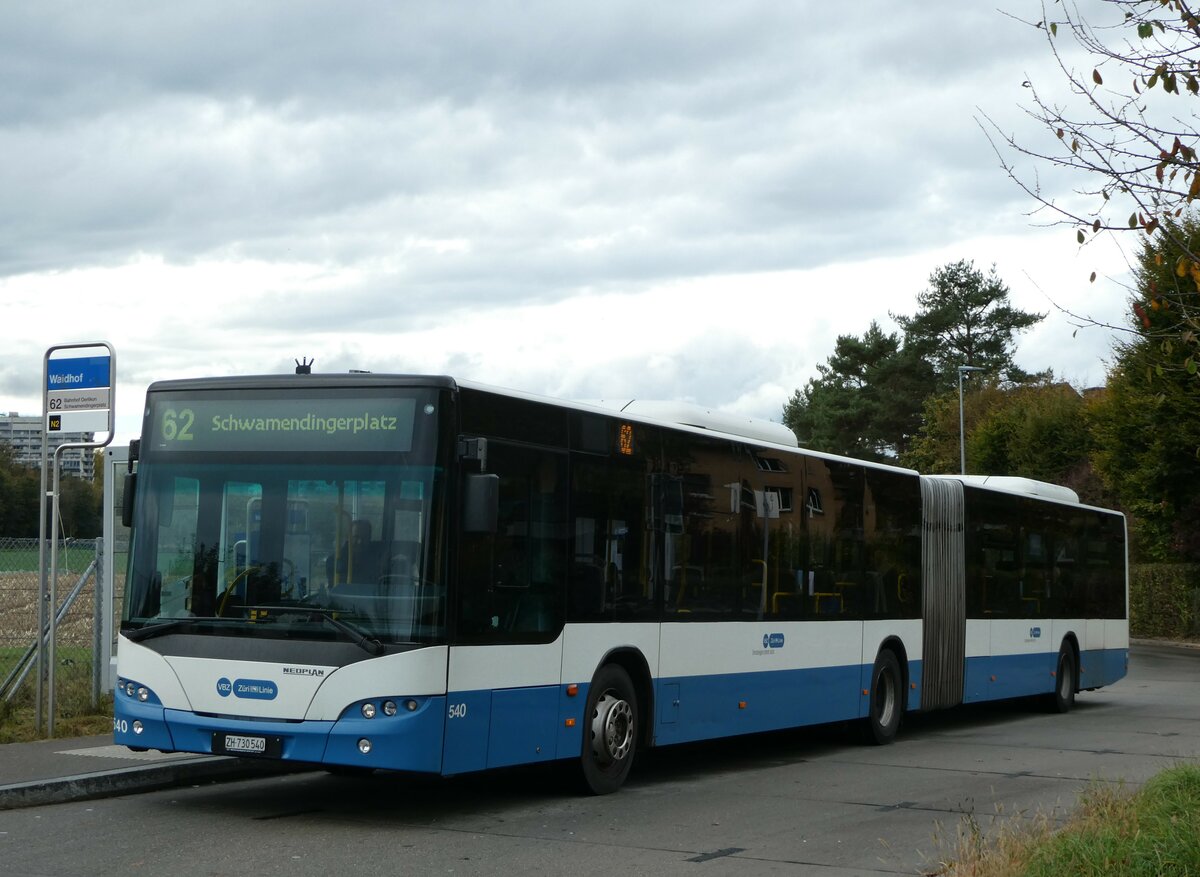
965 318
866 402
868 397
1147 426
1128 133
19 486
80 508
1037 430
80 502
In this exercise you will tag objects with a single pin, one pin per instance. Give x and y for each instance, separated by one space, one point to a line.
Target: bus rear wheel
887 705
610 729
1063 698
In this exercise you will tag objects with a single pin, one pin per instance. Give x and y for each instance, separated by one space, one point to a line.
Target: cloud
681 200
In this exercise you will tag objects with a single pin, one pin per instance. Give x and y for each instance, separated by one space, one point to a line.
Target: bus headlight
368 710
389 707
364 746
135 691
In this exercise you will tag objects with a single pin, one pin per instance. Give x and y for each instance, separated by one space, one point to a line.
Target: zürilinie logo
365 422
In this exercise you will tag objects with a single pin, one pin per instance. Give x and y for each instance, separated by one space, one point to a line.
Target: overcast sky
604 200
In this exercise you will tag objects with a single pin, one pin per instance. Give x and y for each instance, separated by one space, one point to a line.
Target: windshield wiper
361 638
150 631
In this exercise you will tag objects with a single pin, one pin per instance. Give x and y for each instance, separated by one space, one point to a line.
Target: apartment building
24 435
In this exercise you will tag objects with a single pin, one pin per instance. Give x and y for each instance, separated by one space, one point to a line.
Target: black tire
887 699
1065 682
610 731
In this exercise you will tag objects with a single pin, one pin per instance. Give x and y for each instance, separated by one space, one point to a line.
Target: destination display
201 423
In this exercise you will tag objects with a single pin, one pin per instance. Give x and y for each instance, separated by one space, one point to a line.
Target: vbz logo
1035 633
224 687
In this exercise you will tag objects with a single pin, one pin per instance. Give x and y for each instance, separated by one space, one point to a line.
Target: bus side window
512 580
610 574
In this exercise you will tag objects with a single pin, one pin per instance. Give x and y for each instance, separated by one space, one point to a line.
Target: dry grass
75 715
19 586
1112 833
18 721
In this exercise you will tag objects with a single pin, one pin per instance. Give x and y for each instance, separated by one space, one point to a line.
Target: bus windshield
318 542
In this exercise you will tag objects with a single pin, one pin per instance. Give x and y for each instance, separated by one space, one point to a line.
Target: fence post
98 652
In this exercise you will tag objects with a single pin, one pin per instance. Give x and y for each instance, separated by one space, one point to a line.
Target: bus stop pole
99 598
40 662
53 593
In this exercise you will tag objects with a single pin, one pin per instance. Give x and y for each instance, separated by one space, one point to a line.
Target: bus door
506 660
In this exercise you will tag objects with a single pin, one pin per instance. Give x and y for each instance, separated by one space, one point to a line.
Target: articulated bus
420 574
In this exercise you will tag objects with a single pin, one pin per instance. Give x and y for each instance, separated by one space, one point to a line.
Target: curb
1169 643
131 780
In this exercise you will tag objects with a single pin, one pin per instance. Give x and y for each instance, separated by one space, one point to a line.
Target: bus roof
688 414
682 415
692 418
1013 484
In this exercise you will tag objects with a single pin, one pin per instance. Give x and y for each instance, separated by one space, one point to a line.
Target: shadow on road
385 797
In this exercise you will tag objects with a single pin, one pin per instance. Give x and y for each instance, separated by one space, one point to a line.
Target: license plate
249 745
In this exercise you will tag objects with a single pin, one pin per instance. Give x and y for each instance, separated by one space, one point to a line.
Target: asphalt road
814 802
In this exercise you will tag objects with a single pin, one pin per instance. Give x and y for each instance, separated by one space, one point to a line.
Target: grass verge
74 714
1154 832
18 722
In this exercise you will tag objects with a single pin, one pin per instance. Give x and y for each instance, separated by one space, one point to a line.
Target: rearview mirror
481 503
130 488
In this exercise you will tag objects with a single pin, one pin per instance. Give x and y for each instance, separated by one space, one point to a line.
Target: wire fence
81 655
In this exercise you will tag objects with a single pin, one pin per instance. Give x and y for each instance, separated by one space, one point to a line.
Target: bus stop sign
79 389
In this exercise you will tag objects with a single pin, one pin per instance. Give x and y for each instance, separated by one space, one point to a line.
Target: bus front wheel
887 705
610 729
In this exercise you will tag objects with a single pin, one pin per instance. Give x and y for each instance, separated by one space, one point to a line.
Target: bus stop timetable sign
79 390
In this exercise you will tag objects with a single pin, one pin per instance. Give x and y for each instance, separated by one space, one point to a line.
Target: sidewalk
81 768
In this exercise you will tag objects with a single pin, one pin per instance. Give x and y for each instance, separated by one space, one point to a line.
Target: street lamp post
962 436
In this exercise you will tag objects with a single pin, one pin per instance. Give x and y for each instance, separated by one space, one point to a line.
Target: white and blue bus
419 574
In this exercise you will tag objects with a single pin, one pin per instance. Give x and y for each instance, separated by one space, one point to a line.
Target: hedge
1164 600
